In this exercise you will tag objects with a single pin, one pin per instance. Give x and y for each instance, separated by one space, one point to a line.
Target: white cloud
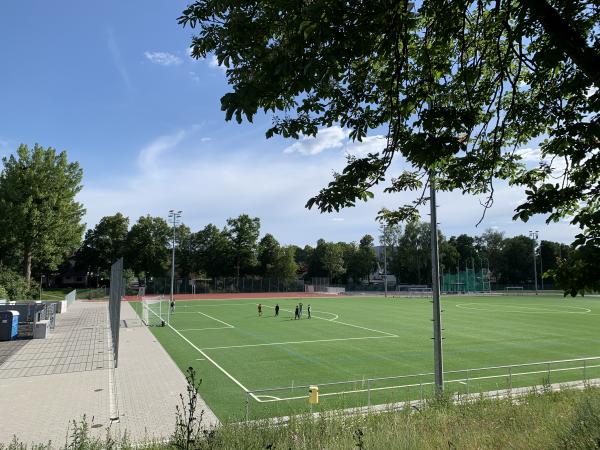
205 139
336 138
369 144
327 138
530 154
115 51
211 182
163 58
194 76
213 63
149 156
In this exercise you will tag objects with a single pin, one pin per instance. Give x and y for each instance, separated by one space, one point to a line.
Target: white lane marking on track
298 342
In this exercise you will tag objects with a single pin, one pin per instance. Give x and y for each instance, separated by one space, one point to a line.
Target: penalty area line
227 374
298 342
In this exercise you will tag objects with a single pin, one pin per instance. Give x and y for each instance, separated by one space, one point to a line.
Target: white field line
214 318
298 342
524 309
208 328
344 323
227 374
461 381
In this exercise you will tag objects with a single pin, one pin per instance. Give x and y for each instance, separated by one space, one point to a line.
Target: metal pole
435 282
385 265
541 267
534 235
175 216
247 405
369 393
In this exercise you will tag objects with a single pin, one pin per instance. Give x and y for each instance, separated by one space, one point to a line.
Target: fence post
548 373
421 390
584 371
468 389
369 393
510 378
247 405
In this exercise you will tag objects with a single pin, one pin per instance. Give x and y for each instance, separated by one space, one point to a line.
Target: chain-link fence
157 286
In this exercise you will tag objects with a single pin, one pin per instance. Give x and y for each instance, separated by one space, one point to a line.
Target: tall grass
568 419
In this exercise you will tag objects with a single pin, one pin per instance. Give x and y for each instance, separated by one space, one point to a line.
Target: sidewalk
45 384
148 382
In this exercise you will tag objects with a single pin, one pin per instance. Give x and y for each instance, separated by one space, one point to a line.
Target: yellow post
313 395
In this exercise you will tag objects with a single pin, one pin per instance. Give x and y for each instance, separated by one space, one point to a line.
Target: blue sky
112 84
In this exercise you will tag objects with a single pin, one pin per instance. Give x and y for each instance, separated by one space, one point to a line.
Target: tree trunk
27 263
566 39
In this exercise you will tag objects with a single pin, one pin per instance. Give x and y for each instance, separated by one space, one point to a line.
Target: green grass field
352 339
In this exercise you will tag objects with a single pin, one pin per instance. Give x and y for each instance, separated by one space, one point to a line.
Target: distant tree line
41 233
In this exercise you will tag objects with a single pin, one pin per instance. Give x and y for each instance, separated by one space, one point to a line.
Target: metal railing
468 381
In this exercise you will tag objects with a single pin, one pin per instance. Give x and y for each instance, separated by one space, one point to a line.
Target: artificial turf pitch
233 350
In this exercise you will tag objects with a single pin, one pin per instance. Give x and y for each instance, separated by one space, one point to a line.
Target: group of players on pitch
297 311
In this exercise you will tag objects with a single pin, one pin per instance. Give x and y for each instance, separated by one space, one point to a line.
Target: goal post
513 290
420 291
152 311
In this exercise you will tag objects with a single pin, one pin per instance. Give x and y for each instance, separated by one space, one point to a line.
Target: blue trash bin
9 325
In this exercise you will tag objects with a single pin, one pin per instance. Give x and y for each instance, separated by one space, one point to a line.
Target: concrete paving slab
48 383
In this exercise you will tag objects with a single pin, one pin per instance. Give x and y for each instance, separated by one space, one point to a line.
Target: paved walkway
45 384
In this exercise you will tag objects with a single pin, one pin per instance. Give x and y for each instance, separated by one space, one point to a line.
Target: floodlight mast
174 216
435 284
534 235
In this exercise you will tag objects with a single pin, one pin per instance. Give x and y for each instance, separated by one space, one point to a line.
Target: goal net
420 292
152 311
513 290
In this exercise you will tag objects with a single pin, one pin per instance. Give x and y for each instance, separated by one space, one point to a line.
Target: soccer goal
152 311
420 291
513 290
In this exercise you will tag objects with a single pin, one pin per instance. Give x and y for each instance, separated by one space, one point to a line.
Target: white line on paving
213 318
299 342
227 374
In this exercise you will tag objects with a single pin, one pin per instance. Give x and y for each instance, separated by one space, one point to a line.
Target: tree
39 212
456 85
268 252
243 233
147 246
285 267
213 252
184 257
333 260
367 259
517 261
104 244
577 273
465 245
489 247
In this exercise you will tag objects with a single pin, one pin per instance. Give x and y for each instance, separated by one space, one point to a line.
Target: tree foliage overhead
38 211
457 86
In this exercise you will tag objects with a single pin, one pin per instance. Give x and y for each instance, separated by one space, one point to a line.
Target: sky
113 85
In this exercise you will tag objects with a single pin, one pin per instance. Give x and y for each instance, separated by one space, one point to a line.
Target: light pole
435 285
174 217
385 264
534 235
